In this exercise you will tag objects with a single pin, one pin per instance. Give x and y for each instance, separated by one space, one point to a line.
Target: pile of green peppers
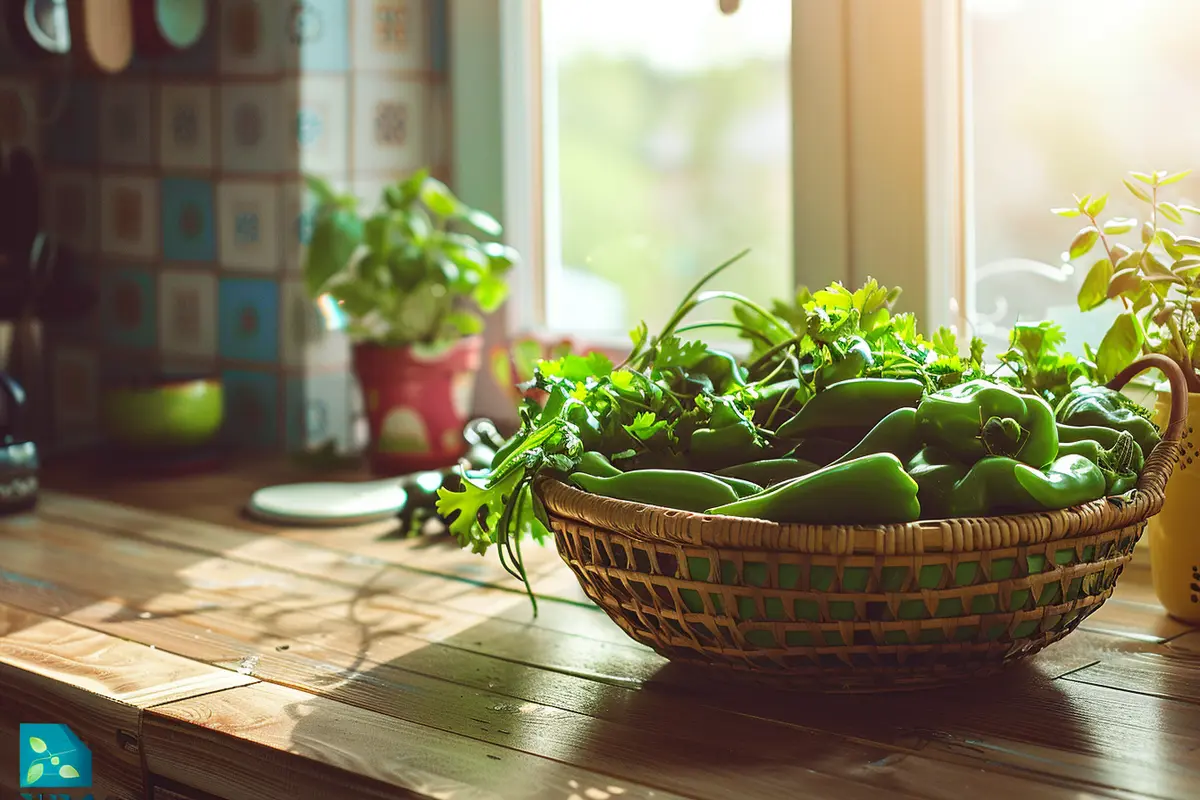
878 451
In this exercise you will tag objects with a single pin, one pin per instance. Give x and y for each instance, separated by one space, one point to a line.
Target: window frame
880 186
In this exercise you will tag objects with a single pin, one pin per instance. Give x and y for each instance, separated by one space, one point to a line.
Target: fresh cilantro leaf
675 353
835 297
645 425
977 348
945 343
622 379
463 509
871 297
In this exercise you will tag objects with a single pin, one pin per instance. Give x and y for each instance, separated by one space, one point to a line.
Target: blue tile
251 409
187 220
73 137
128 314
321 29
439 38
248 320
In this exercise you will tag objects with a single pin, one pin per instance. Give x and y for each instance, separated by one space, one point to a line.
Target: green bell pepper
1107 437
896 434
936 473
778 398
1116 462
769 471
1001 485
979 418
870 490
593 463
854 403
1100 405
669 488
729 438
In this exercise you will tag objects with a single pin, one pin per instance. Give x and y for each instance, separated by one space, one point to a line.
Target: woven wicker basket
856 608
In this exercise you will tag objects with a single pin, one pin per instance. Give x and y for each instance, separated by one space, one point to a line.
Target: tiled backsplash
179 184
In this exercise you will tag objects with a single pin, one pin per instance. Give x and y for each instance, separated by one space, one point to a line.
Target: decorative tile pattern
248 320
249 227
129 216
252 129
200 59
390 35
127 302
318 410
187 314
305 342
251 36
125 136
320 109
318 36
186 127
252 408
75 379
70 110
188 230
388 132
72 210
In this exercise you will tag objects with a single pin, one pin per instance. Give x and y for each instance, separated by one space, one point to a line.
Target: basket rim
957 535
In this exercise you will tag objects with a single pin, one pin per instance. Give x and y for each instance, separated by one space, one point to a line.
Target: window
1067 97
667 150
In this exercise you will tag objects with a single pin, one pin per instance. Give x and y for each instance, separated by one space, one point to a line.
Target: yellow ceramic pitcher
1174 534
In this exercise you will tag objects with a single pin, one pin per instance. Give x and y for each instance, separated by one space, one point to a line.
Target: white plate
345 503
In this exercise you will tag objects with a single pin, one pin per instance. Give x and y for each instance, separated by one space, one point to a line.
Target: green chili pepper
1100 405
741 488
978 418
721 447
782 395
855 403
722 370
936 473
1116 462
687 491
593 463
848 362
870 490
770 471
1001 485
820 450
896 434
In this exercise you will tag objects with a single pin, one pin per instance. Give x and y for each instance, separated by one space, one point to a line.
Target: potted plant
407 282
1156 279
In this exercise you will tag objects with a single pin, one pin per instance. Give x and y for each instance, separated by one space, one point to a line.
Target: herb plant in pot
407 282
1155 277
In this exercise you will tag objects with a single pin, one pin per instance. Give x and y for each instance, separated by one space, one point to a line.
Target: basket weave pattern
851 608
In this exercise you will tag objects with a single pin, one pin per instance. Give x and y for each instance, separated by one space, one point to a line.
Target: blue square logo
248 312
53 757
187 220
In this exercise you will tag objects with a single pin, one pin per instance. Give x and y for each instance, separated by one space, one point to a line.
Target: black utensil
18 455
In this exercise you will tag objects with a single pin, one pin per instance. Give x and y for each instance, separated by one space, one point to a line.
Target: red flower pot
417 405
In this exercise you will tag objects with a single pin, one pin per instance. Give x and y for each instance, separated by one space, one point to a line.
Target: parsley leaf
675 353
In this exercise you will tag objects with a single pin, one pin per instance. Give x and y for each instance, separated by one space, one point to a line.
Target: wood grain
409 668
376 687
271 741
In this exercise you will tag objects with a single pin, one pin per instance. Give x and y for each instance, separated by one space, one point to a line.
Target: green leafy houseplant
409 272
1156 280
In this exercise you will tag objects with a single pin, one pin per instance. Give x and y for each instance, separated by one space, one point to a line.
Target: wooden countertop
200 655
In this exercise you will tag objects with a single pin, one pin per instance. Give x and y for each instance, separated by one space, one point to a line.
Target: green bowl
166 414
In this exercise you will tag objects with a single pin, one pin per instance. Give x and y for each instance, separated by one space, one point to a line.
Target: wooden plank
103 665
265 741
1142 621
284 667
1174 674
54 672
